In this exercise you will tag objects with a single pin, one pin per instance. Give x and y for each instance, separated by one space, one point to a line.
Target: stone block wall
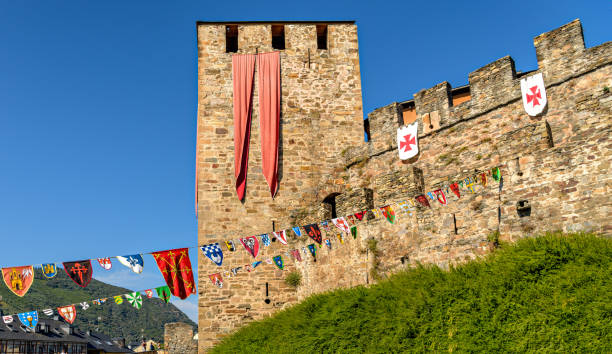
555 166
178 339
321 114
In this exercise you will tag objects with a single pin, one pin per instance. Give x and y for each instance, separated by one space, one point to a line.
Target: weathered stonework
178 339
557 163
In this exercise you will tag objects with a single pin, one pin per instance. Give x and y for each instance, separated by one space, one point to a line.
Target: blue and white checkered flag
213 251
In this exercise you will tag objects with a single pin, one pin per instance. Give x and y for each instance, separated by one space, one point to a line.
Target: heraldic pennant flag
342 224
407 141
278 260
68 313
79 271
213 252
281 236
216 279
314 232
18 279
534 94
29 319
251 244
163 292
175 266
133 261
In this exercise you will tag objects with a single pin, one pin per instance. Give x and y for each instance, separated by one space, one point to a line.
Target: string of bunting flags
175 265
69 312
347 225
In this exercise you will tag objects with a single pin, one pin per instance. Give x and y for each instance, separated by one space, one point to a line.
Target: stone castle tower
555 166
321 115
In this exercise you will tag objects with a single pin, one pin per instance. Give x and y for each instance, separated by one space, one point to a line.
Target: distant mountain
114 320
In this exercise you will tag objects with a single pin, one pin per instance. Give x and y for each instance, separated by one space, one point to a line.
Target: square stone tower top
321 116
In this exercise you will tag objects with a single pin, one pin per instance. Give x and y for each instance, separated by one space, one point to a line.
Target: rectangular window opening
278 37
231 38
321 36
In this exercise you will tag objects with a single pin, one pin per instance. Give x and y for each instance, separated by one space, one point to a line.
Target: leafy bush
546 294
293 279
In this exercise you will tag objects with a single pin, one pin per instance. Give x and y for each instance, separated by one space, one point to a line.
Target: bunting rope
176 267
68 312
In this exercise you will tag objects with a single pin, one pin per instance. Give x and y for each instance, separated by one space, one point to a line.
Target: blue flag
297 231
29 319
213 252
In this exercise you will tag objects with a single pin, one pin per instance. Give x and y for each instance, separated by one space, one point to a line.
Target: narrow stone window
455 224
231 38
321 36
551 143
278 37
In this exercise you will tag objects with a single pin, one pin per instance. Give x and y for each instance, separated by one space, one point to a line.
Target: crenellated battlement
561 55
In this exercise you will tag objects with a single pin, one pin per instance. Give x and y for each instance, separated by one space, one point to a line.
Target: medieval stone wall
555 167
178 339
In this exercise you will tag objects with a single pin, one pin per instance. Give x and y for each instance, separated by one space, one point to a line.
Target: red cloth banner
243 70
268 74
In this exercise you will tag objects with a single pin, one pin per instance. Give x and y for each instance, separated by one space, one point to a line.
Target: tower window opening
278 37
231 39
321 36
330 206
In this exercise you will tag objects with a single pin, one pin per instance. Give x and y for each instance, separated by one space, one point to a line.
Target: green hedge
551 293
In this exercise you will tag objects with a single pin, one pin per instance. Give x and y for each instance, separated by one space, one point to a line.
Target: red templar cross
78 268
534 97
408 140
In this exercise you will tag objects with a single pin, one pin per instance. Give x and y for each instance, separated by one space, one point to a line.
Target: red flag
455 188
423 200
175 266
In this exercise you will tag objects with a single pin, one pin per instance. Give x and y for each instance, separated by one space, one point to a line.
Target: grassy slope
545 294
115 320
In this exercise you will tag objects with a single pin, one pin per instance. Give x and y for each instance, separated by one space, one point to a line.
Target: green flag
496 173
164 293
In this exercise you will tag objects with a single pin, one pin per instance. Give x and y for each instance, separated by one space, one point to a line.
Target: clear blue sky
98 105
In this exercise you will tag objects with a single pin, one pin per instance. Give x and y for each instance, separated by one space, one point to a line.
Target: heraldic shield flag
407 141
49 270
213 252
68 313
18 279
175 266
29 319
216 279
534 94
251 244
133 261
314 232
79 271
105 263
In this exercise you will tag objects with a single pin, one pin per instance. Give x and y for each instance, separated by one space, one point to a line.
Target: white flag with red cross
534 94
407 141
